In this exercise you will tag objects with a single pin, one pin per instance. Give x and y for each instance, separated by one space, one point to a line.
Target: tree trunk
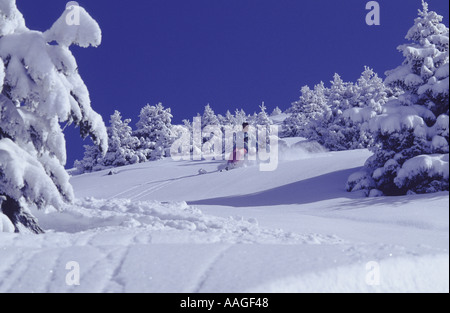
20 217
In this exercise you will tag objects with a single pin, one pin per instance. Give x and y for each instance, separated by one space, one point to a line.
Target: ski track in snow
209 265
114 262
142 190
125 192
150 190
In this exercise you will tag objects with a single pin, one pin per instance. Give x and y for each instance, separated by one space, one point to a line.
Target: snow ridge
170 220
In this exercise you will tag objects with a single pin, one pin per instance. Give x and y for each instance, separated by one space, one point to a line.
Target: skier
240 148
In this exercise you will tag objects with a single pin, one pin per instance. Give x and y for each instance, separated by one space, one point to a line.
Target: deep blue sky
229 53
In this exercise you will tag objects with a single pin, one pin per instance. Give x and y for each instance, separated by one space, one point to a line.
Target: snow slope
160 227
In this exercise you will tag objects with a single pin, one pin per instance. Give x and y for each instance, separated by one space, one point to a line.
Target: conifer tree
40 87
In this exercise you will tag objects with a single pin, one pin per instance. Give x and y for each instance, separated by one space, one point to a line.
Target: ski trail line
203 277
124 192
150 190
7 269
117 263
20 267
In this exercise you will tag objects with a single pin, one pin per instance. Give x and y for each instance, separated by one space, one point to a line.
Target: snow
399 274
390 165
441 126
433 165
182 222
75 26
359 181
5 224
395 118
413 79
442 72
161 227
397 74
11 19
436 88
2 74
439 142
359 115
21 170
375 193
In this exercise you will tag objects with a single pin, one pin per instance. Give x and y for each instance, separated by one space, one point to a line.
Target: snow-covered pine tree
371 92
336 133
316 108
183 135
262 118
276 111
411 155
211 130
252 119
294 125
240 117
122 148
187 124
221 119
154 130
40 88
352 105
209 117
92 160
263 123
340 95
296 122
310 115
229 118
